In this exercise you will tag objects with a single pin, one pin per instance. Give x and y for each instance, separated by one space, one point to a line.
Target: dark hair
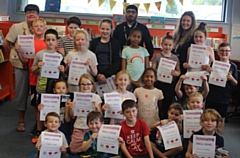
57 81
51 31
54 114
109 21
167 37
176 106
128 104
135 30
31 7
74 20
224 44
149 69
132 6
94 115
201 27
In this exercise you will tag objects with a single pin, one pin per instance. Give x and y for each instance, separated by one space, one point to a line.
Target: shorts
220 108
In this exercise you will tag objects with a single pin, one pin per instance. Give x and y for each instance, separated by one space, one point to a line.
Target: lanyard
125 32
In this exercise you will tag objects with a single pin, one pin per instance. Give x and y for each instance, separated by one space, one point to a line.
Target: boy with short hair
52 123
135 133
89 146
195 102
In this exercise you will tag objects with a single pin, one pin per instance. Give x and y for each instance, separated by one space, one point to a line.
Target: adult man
21 70
123 30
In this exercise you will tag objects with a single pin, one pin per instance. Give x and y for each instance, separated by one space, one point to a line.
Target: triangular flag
112 4
147 6
89 1
136 4
170 3
125 6
181 1
100 2
158 5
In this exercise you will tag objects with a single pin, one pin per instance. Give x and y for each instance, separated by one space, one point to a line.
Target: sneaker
35 139
34 131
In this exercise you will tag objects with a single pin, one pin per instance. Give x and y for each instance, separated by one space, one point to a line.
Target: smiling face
186 22
38 27
80 41
189 89
51 41
60 88
122 81
130 114
173 114
86 85
135 38
95 125
30 16
105 30
199 37
52 123
149 78
209 124
224 53
167 45
195 103
71 29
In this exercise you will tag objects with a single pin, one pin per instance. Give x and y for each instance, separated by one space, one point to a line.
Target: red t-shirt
38 45
134 137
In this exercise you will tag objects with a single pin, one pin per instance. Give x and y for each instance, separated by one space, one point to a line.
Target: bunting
100 2
181 1
158 5
125 6
147 6
136 4
89 1
112 4
170 3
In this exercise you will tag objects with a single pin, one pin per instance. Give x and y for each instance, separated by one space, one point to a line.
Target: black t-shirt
103 57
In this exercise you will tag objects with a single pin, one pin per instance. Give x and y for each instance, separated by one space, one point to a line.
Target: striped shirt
65 43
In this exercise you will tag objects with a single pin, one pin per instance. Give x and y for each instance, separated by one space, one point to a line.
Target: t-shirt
82 57
42 81
147 101
92 150
38 45
219 139
81 122
135 61
103 56
66 43
134 137
64 141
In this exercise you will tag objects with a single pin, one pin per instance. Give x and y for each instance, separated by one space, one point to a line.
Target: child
122 79
218 97
107 50
149 98
135 58
210 121
52 123
81 53
65 43
135 133
195 102
89 146
60 87
200 36
189 89
174 114
86 85
43 83
167 89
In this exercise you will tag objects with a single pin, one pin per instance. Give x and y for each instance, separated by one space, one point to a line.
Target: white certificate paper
76 69
50 67
26 45
114 102
107 87
191 122
194 78
170 135
164 70
107 140
197 57
83 103
204 146
219 73
51 143
51 103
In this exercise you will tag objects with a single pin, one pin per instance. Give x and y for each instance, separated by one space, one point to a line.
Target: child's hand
105 106
186 65
183 77
88 62
69 61
192 156
209 69
174 73
101 78
204 78
40 64
120 141
94 136
63 149
40 107
205 66
68 103
38 146
230 77
61 68
17 48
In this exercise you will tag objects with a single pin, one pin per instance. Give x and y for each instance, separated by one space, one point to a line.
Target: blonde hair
121 73
81 31
196 94
39 20
90 78
211 114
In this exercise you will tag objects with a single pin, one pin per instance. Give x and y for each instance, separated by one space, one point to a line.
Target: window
203 9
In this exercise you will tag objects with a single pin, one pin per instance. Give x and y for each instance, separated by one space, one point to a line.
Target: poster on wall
235 40
52 5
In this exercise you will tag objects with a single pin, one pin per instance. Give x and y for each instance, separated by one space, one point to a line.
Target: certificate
114 102
51 103
197 57
165 68
194 78
76 69
204 146
219 73
107 87
26 45
170 135
51 143
107 140
83 103
191 122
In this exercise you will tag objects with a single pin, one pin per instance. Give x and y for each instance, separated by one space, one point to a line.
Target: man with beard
123 30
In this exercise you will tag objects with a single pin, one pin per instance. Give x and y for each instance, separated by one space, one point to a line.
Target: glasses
88 84
131 11
224 51
31 12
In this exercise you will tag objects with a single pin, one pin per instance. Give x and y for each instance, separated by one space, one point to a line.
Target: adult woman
183 37
21 70
107 50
